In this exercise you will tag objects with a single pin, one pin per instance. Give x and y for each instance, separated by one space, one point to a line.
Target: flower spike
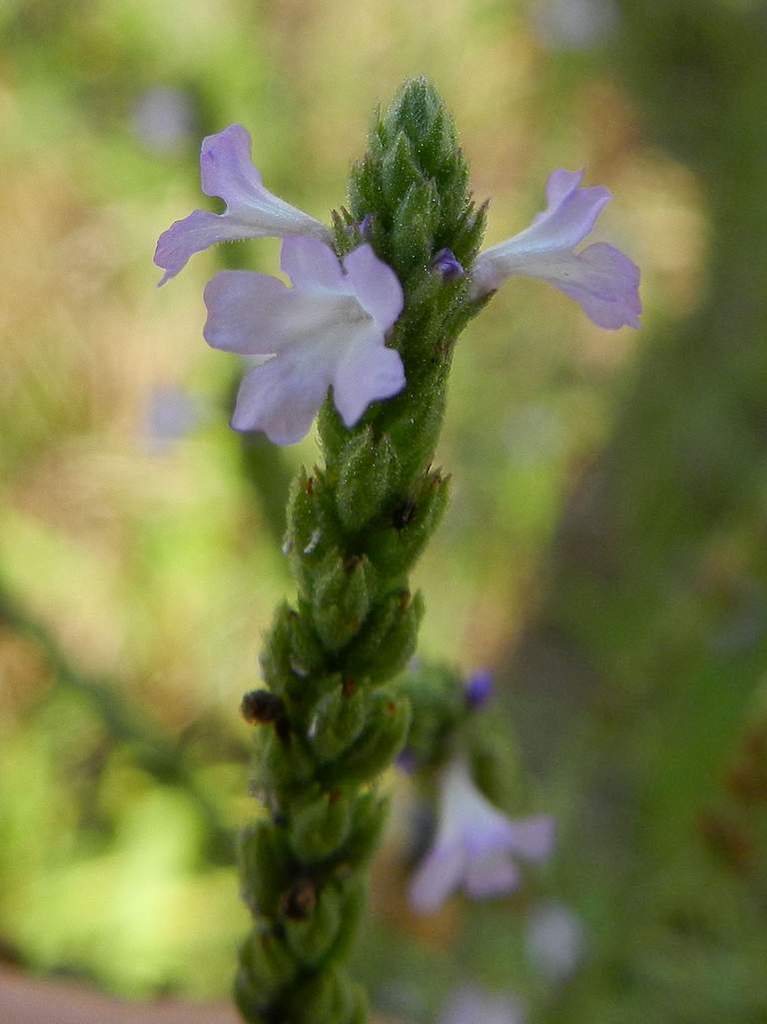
327 330
474 845
601 279
251 211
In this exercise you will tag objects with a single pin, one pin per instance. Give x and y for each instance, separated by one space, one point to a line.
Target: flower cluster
329 330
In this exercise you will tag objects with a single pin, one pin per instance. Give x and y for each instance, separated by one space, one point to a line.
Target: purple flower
555 941
251 211
479 687
575 24
171 414
600 278
474 845
327 330
474 1006
163 119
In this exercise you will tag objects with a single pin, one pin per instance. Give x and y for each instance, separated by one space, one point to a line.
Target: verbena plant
364 340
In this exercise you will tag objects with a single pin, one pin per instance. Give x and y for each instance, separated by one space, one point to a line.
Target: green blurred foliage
604 540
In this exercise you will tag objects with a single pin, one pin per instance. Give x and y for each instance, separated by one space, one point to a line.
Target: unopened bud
446 264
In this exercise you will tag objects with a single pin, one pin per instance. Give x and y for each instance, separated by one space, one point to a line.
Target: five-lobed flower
328 330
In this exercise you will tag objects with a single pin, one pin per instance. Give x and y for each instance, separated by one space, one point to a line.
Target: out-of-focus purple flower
475 845
170 414
328 329
251 210
575 24
479 687
601 279
555 941
445 263
163 119
473 1006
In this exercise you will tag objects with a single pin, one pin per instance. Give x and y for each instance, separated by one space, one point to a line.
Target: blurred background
605 548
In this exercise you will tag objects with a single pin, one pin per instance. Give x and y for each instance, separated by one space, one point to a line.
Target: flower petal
438 875
376 285
468 817
532 838
310 263
281 397
559 186
601 279
571 215
194 233
245 312
226 169
367 373
227 172
256 314
491 876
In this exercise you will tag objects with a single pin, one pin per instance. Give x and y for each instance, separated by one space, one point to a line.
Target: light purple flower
163 119
251 211
475 844
555 941
575 24
473 1006
601 279
171 414
327 330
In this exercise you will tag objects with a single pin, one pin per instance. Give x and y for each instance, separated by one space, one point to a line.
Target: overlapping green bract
356 525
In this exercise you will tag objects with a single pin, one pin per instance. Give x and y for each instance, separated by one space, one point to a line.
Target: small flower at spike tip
475 845
327 330
252 211
601 279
